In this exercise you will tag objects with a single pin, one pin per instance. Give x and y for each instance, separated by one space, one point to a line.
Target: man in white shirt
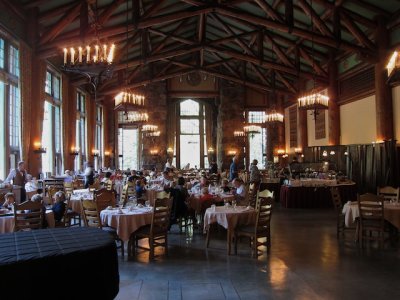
240 192
31 185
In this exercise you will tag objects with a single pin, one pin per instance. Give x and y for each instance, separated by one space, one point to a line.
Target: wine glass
234 204
147 203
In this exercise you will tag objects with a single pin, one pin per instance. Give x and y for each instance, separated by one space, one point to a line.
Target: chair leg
208 236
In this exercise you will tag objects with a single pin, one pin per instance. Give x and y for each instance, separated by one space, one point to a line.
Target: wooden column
333 111
302 136
69 122
281 127
90 126
383 93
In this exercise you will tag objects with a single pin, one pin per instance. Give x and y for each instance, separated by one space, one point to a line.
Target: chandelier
154 134
148 128
273 117
251 130
94 61
126 101
393 64
132 117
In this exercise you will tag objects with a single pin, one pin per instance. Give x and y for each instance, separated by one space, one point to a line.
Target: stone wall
230 118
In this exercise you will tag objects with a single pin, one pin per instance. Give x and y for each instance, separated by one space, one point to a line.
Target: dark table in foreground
315 197
59 263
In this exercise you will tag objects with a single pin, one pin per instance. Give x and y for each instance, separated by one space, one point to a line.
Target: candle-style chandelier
92 60
393 66
314 101
149 128
133 117
126 101
251 130
273 117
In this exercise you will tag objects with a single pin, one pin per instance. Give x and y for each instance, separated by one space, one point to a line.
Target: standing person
89 175
233 170
255 176
18 177
213 168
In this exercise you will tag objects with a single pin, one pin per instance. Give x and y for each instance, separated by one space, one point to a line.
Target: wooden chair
29 195
104 198
77 184
28 215
91 218
252 195
128 191
51 191
264 194
338 206
371 218
156 232
389 193
95 186
68 188
65 221
262 228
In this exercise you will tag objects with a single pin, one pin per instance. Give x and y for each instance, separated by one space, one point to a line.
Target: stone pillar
230 118
333 111
383 93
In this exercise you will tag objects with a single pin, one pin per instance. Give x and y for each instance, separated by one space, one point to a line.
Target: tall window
99 138
10 107
51 134
257 142
80 130
192 134
128 148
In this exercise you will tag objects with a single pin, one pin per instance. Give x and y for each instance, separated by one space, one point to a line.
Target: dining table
229 217
7 222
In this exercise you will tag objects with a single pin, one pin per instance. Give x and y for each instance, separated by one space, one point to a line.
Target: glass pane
2 53
47 87
47 158
57 128
256 116
189 108
14 61
129 148
190 126
56 87
82 136
257 148
190 150
15 116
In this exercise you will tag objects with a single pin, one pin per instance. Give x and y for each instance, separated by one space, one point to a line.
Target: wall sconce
170 151
346 153
38 148
232 152
106 153
298 151
210 150
280 152
332 152
74 151
325 153
154 152
95 153
285 155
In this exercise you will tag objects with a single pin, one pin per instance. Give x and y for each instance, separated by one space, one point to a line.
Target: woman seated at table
39 198
240 191
200 185
140 190
9 200
58 207
30 185
205 195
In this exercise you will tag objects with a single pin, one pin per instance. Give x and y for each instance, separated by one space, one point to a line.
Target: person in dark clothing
213 168
233 170
58 207
89 175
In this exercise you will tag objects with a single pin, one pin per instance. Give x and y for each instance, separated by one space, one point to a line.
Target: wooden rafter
57 28
356 32
315 18
171 35
269 10
156 6
312 62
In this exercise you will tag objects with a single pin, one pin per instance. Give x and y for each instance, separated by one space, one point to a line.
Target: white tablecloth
128 222
75 200
7 222
228 217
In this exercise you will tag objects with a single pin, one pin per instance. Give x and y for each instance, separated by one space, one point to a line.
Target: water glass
147 203
234 204
213 207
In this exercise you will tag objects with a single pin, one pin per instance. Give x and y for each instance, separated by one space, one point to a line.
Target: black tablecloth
314 197
58 263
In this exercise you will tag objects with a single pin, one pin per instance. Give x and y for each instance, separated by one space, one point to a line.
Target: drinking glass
234 204
147 203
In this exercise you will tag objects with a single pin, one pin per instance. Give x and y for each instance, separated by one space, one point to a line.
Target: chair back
162 195
371 208
29 195
68 188
389 193
104 198
336 199
91 217
264 213
263 194
251 195
128 191
28 215
160 218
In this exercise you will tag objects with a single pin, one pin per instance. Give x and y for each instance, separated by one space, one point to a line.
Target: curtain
171 132
26 100
209 130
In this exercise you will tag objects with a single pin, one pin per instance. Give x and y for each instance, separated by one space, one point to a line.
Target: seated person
106 178
139 188
224 186
213 168
205 195
30 185
39 198
240 192
165 180
181 186
9 200
58 207
68 176
200 184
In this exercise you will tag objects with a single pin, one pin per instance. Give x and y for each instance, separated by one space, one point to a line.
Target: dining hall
199 149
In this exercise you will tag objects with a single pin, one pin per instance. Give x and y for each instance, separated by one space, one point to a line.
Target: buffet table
33 264
315 196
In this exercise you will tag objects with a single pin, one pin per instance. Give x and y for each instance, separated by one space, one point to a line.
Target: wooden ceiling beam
282 56
153 9
218 63
314 17
372 8
356 32
171 17
57 28
168 37
55 12
172 36
324 40
259 74
193 2
286 82
269 10
109 10
226 65
34 3
311 61
180 64
16 8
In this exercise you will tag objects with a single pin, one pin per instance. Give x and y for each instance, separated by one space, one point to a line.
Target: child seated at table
224 186
205 195
58 207
9 200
